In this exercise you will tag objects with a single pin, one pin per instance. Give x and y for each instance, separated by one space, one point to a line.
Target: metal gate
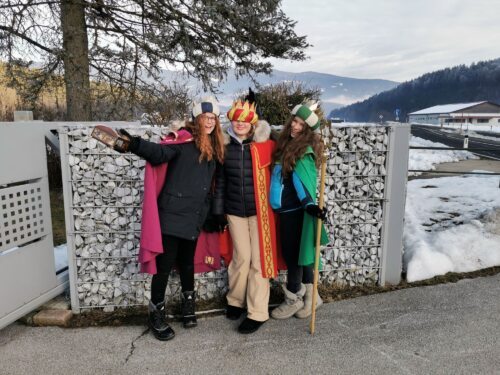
27 268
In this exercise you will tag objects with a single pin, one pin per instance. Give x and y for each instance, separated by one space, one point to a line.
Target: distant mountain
461 84
337 91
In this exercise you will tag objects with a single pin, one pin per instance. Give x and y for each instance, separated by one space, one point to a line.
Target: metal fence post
68 217
394 206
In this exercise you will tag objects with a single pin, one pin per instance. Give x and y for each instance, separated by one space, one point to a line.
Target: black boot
234 312
158 323
249 326
187 309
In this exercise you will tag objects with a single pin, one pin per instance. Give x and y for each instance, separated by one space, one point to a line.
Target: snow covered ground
61 256
473 127
452 224
428 159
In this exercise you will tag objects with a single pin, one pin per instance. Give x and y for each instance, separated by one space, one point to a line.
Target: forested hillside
460 84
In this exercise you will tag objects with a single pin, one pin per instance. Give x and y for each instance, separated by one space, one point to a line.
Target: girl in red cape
242 193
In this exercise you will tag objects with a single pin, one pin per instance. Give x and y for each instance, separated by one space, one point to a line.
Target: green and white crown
306 112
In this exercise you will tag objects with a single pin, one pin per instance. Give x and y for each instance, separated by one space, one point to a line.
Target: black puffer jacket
234 189
183 203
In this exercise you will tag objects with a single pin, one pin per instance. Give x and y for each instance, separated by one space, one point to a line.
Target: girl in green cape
293 197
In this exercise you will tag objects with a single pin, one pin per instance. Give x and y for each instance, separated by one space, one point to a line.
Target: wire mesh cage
103 199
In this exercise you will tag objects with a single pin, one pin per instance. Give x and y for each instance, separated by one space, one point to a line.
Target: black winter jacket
234 189
183 203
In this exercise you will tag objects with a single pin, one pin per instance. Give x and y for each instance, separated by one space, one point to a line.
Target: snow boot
306 311
158 323
187 309
293 303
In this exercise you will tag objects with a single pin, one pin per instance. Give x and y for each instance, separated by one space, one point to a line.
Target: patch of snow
428 159
61 256
452 224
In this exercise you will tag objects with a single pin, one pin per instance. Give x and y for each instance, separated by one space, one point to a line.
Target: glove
215 223
124 140
314 210
118 141
221 222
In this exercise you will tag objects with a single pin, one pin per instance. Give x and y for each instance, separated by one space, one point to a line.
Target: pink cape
207 257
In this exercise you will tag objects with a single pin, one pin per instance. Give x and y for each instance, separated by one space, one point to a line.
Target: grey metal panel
25 214
27 266
22 150
62 285
26 273
394 207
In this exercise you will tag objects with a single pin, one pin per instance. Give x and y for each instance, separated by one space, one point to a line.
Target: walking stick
318 242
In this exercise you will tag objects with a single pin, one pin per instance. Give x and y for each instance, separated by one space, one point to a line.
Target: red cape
270 257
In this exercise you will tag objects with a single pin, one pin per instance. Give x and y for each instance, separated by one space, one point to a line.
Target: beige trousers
246 284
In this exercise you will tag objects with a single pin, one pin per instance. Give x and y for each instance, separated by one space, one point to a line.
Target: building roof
446 108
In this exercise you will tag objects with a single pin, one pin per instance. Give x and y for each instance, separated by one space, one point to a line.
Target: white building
481 113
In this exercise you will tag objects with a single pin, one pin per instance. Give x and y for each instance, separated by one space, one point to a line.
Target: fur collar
262 132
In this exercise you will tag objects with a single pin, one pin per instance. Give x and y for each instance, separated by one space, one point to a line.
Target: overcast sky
393 39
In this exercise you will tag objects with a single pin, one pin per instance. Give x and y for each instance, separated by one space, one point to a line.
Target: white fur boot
293 303
306 311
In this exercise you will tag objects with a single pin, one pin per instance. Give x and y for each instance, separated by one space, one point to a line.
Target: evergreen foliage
125 43
275 102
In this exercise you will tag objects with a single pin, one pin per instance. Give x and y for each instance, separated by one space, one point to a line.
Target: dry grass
8 100
50 100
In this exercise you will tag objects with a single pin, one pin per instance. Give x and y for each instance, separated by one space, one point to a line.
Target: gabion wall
103 194
354 195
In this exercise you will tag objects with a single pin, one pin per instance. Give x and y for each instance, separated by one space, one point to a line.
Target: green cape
305 169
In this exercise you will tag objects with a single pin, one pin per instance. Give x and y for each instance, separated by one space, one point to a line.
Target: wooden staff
318 242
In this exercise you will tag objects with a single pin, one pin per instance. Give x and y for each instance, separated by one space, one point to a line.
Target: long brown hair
210 145
289 150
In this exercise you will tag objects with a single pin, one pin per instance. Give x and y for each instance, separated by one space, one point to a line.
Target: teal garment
305 169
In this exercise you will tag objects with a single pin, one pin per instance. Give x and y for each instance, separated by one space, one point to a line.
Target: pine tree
126 43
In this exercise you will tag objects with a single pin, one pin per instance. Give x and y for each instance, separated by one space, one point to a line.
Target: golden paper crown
243 111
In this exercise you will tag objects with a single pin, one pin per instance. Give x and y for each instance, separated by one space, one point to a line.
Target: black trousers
290 234
178 252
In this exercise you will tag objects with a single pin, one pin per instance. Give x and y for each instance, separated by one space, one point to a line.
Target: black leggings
290 234
179 252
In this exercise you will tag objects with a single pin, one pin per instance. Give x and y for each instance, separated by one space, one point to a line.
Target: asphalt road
441 329
489 134
434 134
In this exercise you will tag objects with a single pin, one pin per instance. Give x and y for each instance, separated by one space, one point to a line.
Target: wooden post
318 243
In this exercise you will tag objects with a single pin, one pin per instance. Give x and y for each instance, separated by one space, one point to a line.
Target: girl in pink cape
182 203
